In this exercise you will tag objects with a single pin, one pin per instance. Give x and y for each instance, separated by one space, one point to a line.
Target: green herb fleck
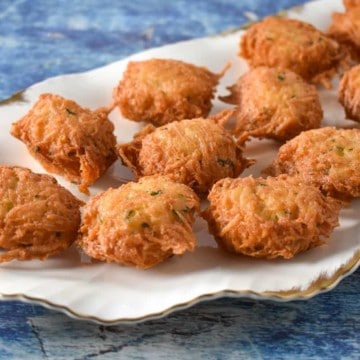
37 149
350 149
326 171
145 225
340 150
130 215
225 162
154 193
8 205
70 112
281 77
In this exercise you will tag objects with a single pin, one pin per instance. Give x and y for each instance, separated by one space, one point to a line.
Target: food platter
109 293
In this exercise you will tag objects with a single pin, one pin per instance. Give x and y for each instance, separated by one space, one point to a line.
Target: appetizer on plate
345 28
38 217
196 152
68 139
140 224
349 93
327 157
160 91
294 45
269 218
274 103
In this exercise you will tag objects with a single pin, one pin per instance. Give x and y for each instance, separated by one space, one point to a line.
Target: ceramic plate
108 293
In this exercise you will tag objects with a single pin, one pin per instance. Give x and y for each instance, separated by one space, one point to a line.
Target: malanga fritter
349 93
38 217
345 28
274 103
140 224
349 4
68 139
196 152
294 45
269 218
327 157
160 91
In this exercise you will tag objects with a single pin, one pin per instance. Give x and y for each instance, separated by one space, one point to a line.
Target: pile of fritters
181 155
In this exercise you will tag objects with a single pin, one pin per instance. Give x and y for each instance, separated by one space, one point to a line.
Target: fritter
274 103
294 45
349 93
269 218
38 217
160 91
195 152
327 157
140 224
349 4
68 139
345 28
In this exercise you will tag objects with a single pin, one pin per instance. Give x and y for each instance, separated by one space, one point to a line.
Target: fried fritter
160 91
38 217
269 218
349 93
274 103
349 4
196 152
140 224
68 139
294 45
345 28
327 157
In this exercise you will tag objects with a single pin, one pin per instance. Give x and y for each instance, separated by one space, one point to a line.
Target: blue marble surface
42 38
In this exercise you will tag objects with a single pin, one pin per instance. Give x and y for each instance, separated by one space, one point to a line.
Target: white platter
108 293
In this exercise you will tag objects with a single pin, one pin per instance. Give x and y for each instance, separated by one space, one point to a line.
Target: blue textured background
42 38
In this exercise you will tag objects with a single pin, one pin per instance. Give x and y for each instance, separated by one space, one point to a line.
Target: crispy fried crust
269 218
38 217
345 28
68 139
196 152
326 157
293 45
349 4
274 103
140 224
160 91
349 93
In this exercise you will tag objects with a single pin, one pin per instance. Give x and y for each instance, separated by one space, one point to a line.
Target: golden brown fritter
68 139
269 218
38 217
327 157
345 28
160 91
349 4
196 152
274 103
349 93
294 45
140 224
